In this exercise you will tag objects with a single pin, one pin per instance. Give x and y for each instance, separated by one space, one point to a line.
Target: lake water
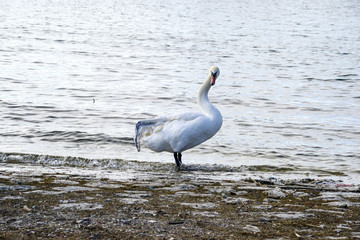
76 76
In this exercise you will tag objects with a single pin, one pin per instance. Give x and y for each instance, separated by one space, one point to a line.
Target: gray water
76 76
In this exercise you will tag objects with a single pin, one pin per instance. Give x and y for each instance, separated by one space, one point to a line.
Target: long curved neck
203 100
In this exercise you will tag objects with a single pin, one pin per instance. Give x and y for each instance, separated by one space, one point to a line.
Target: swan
180 132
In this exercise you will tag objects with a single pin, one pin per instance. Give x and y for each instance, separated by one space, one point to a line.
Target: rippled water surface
77 75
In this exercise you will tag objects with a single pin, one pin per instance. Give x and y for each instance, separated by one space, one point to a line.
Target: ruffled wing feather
146 128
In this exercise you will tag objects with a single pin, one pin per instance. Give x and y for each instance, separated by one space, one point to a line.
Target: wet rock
251 229
46 192
343 226
355 234
187 187
288 215
133 197
220 189
262 219
200 205
179 187
126 221
159 213
79 206
275 193
254 187
263 207
301 194
270 200
12 198
11 220
338 230
26 208
135 194
264 182
188 193
68 189
176 222
95 236
133 200
103 185
235 201
206 213
85 221
324 210
328 196
64 181
4 187
342 204
237 193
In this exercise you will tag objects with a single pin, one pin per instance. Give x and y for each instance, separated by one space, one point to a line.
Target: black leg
177 157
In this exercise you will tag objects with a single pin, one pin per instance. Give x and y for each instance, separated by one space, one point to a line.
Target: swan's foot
177 157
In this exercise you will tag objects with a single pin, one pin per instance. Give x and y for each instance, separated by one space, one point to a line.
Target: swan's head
214 74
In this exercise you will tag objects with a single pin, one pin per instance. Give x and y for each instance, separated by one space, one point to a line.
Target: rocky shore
174 206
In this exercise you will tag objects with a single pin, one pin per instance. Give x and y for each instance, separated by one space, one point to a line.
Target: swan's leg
179 158
178 162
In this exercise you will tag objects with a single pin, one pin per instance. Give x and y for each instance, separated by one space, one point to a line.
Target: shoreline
180 205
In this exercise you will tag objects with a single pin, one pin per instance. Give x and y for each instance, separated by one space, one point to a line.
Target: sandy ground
173 206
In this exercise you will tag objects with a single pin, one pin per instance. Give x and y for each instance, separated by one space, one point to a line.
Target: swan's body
181 132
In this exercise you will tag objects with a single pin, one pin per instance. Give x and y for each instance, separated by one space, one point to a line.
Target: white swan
181 132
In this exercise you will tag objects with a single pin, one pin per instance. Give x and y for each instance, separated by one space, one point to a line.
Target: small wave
71 136
78 136
120 164
43 107
50 160
272 173
339 78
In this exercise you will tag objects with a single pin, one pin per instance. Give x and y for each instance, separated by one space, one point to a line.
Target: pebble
301 194
262 219
234 201
85 221
200 205
251 228
26 208
276 193
127 221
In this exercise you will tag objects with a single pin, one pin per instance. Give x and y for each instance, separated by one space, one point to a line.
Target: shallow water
76 76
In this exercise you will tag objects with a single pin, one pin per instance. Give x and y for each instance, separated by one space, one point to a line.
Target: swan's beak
213 79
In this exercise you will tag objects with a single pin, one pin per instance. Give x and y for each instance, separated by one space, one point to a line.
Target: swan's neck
203 100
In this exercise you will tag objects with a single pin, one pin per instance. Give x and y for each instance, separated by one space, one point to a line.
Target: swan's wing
148 127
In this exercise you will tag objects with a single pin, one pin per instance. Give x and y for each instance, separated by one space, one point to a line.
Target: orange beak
213 79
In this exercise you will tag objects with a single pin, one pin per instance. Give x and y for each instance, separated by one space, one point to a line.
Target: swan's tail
137 135
142 128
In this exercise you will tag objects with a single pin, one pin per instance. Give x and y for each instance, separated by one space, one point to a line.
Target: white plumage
180 132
